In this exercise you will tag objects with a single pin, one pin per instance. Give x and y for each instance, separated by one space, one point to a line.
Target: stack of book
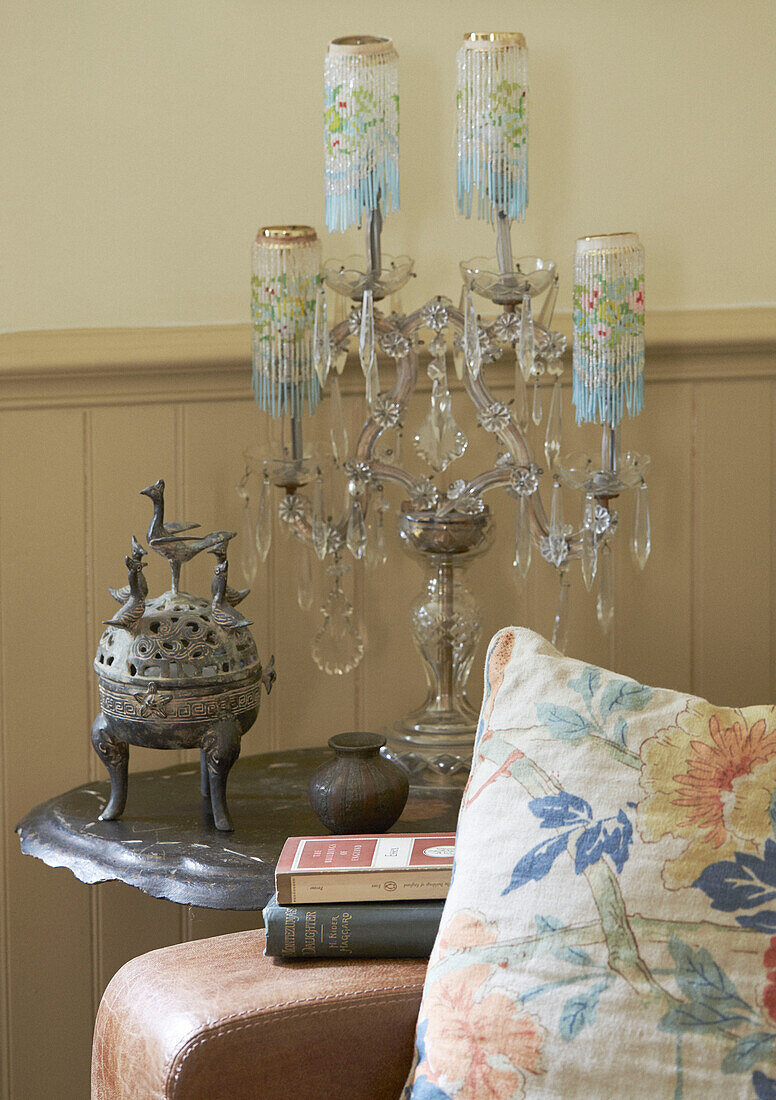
371 896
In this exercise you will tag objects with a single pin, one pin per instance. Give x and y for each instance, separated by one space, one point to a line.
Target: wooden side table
167 845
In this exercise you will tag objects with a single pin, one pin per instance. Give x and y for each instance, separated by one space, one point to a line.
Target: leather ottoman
216 1019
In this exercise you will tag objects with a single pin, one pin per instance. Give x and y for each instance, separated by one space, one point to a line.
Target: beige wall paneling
731 590
127 448
214 435
49 919
652 631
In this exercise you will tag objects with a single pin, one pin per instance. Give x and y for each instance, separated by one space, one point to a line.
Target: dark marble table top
167 845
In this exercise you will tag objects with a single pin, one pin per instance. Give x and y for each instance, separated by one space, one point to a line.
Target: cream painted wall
143 142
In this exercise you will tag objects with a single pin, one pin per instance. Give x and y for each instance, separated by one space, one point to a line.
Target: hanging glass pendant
337 430
398 447
321 340
536 410
356 533
548 307
372 383
366 343
376 553
304 578
556 511
249 558
605 602
560 629
642 536
553 434
471 337
439 440
589 558
337 647
264 520
319 524
458 357
526 343
523 543
521 398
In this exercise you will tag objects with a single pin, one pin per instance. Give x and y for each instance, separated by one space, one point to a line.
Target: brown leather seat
216 1019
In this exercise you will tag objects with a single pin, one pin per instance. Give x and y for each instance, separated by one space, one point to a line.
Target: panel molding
88 367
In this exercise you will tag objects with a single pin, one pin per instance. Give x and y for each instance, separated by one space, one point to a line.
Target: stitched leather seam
317 1006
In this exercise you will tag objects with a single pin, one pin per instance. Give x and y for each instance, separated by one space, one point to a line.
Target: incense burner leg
204 779
221 747
115 756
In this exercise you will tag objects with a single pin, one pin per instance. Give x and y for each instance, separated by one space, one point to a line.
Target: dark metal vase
359 791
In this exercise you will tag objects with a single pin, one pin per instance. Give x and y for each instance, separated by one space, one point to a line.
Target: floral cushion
608 931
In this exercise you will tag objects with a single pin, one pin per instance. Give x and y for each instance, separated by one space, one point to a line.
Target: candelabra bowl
581 471
531 276
450 537
351 278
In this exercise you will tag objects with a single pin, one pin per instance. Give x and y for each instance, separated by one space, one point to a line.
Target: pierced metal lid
177 642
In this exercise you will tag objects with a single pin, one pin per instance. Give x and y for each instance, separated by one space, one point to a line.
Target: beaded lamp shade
608 327
361 128
492 131
286 266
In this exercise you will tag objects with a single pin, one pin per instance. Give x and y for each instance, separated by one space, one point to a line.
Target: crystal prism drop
319 525
375 553
605 602
523 546
304 577
548 308
521 398
536 411
560 629
337 647
398 447
526 343
249 558
556 512
554 417
366 343
264 520
642 537
589 557
356 534
471 337
337 430
321 343
372 383
458 360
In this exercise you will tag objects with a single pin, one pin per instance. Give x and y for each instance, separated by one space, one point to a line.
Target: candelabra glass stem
504 245
297 443
374 228
610 448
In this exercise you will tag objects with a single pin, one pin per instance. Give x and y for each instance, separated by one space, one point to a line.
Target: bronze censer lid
177 671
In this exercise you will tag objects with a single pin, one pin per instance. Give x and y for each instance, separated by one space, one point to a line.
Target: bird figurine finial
233 595
132 612
178 549
224 615
121 595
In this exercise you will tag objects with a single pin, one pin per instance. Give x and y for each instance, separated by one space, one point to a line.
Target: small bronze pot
359 791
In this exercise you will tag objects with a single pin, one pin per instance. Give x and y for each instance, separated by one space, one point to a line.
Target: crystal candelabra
445 525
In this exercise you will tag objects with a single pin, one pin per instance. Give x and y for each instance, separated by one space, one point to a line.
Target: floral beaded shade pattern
286 265
361 128
492 130
608 328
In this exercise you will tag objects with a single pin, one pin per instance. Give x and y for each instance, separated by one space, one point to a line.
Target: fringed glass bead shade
285 277
492 126
361 128
608 328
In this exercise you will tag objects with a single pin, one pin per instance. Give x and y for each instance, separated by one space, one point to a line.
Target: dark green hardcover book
363 930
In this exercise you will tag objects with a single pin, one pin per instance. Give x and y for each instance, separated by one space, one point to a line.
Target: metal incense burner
177 671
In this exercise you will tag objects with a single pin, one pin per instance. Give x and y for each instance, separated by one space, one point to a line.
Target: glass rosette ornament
285 277
608 328
492 126
361 128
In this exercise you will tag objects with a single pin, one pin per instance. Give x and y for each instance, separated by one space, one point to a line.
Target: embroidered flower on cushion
467 929
478 1046
709 781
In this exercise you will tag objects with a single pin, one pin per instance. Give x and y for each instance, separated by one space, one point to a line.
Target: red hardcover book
371 867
